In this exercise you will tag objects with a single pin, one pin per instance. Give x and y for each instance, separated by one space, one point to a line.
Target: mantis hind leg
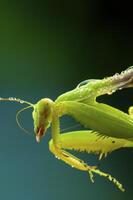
67 141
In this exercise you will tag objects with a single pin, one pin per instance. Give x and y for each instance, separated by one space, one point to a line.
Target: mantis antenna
16 100
13 99
17 120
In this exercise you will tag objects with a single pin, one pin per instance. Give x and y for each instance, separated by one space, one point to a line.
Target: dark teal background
47 48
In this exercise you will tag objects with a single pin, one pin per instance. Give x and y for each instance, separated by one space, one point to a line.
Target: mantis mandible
111 128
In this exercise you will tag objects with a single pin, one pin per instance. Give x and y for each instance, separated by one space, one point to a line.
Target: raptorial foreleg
80 164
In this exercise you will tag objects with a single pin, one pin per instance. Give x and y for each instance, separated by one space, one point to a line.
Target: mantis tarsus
111 128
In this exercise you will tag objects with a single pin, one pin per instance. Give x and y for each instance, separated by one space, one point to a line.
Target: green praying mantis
109 128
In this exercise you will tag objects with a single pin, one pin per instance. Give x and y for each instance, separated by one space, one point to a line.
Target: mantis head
42 116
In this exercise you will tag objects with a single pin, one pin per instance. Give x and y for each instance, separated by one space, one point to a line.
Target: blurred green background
47 48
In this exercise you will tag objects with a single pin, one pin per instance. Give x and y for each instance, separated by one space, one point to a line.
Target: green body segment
104 119
94 88
80 93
